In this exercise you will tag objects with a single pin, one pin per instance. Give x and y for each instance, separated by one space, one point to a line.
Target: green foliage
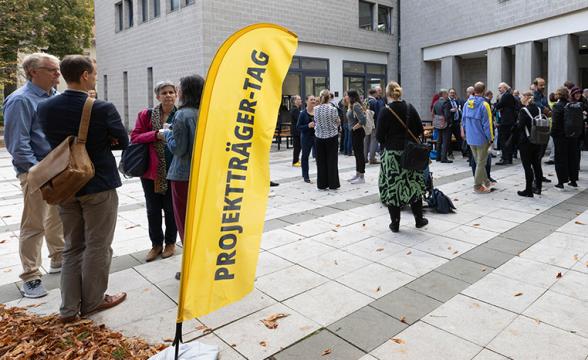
59 27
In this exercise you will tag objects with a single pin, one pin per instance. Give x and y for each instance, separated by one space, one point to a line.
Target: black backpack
440 202
573 120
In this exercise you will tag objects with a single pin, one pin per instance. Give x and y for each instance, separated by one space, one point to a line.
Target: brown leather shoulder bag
67 168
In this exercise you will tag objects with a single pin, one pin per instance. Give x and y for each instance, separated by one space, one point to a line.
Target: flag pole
178 339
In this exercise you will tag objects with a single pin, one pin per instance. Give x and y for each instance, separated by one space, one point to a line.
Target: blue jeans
347 143
307 146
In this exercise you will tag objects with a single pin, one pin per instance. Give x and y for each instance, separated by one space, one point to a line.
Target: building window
118 14
174 5
150 87
366 15
126 98
129 11
144 10
384 19
105 89
190 2
307 76
363 76
156 8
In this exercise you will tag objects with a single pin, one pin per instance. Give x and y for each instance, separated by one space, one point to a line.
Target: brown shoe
153 253
170 250
68 319
108 302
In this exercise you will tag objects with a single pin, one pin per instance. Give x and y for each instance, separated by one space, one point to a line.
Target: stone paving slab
406 304
322 345
367 328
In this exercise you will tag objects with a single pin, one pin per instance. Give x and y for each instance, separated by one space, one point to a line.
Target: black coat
557 118
390 132
60 117
507 106
524 121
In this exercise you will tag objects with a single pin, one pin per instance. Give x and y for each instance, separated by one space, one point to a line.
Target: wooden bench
283 131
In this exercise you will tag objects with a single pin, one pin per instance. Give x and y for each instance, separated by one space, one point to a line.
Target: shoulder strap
403 124
85 123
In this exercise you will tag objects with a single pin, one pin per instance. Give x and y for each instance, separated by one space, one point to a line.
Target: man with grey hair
442 110
26 143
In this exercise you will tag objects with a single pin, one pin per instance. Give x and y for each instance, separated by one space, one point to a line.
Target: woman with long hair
399 186
566 147
326 132
530 153
180 141
305 125
356 119
157 189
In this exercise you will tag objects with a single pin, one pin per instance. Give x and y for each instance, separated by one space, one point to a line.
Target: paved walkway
504 277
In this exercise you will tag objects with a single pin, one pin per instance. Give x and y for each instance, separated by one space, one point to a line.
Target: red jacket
143 133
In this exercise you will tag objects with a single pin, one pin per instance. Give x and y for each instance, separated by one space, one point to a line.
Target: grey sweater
355 115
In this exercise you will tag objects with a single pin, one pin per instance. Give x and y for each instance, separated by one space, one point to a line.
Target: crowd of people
80 230
375 130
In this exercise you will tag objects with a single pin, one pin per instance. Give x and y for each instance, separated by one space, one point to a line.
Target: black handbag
416 154
134 160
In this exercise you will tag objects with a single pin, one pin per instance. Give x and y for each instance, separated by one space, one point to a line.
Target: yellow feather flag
229 179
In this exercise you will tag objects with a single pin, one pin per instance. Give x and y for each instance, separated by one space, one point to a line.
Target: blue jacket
60 117
23 135
180 141
306 133
477 121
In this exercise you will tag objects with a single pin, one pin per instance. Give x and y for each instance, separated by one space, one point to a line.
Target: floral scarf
156 124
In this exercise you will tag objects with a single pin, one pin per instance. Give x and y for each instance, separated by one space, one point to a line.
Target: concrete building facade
513 41
342 43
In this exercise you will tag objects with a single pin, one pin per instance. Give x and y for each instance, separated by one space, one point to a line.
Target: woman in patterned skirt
398 186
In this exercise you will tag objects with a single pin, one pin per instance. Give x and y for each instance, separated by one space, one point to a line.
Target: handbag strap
403 124
85 122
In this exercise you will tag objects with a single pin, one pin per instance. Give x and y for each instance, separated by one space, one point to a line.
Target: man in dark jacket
508 117
294 114
443 107
89 219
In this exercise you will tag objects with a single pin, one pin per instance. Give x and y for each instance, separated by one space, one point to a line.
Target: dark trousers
443 143
156 203
307 145
531 159
456 132
357 142
504 134
416 207
566 159
326 163
297 148
180 202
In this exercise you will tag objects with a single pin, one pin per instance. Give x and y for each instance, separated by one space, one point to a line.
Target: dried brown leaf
398 341
379 289
518 294
326 352
559 275
379 249
484 269
476 225
132 226
271 322
579 222
2 241
403 319
409 252
263 343
455 252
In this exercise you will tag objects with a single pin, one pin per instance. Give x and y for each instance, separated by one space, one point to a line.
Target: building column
451 73
499 67
527 64
563 56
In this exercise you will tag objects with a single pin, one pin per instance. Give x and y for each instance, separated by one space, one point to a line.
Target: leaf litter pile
28 336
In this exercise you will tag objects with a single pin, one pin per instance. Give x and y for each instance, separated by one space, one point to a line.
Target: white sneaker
54 270
353 178
358 180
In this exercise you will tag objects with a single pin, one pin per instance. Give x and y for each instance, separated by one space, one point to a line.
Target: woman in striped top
326 133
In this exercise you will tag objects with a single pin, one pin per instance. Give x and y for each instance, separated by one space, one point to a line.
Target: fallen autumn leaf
326 352
271 322
518 294
398 341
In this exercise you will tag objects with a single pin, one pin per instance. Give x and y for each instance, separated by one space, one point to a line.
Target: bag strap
532 120
85 122
403 124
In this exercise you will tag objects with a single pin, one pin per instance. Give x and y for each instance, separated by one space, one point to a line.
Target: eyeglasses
53 70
